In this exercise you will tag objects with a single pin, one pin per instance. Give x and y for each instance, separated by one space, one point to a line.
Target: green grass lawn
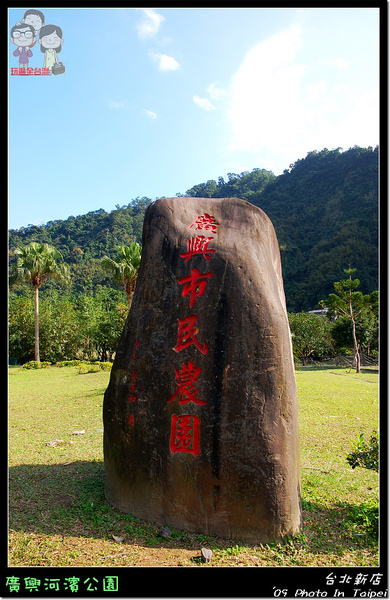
59 517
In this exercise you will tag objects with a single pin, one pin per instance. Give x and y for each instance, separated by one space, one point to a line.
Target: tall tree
125 267
348 303
35 264
310 335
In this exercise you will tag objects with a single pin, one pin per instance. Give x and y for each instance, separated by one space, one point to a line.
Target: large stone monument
200 415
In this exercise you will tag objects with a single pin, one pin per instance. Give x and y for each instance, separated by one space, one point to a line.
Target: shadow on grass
53 498
97 392
68 500
341 526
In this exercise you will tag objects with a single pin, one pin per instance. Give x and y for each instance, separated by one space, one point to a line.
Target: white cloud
114 104
315 91
165 62
150 114
282 107
149 24
203 103
266 107
215 92
341 63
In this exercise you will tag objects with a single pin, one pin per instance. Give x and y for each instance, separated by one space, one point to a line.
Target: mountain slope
324 209
325 213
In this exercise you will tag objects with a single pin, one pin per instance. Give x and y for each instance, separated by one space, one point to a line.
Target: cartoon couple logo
25 35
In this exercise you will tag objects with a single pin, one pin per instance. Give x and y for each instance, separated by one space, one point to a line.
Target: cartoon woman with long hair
50 39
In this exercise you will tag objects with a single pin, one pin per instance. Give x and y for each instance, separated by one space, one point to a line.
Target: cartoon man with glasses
23 36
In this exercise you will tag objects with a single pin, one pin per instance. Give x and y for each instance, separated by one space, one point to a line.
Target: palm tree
125 267
35 264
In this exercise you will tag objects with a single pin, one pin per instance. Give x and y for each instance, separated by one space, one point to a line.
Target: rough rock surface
200 415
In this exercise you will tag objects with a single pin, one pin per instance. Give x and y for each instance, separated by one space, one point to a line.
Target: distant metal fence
344 361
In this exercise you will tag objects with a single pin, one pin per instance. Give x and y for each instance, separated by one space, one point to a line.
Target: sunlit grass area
59 516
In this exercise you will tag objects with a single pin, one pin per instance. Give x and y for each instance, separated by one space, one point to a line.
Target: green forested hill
325 213
324 209
85 239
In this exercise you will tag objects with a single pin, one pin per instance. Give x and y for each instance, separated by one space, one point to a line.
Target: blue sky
154 101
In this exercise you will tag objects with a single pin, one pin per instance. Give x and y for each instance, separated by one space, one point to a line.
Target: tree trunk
129 289
355 342
37 357
356 347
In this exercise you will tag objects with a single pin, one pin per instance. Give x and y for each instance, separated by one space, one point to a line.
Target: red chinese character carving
185 434
132 390
130 420
187 335
186 377
206 222
135 355
198 245
194 286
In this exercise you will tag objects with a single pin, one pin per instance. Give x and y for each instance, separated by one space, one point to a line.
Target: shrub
106 366
68 363
35 364
86 366
93 367
365 454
